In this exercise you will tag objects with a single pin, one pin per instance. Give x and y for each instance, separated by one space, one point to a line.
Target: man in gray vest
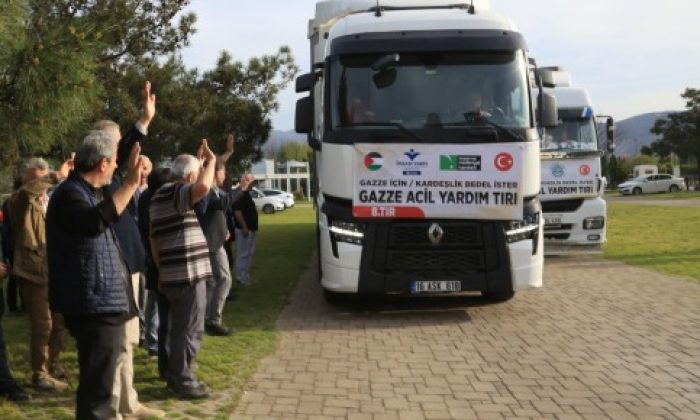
211 212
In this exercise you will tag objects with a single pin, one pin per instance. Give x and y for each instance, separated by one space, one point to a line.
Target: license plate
552 220
436 286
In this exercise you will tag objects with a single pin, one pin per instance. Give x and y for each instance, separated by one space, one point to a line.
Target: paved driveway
600 340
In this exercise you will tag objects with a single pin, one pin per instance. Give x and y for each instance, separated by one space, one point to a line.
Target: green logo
449 162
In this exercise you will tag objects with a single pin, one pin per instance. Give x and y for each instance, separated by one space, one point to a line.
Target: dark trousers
6 380
12 291
163 321
98 340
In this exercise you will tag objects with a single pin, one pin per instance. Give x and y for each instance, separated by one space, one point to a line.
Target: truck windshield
417 90
572 134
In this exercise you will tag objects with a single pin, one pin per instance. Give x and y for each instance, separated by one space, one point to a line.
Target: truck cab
426 148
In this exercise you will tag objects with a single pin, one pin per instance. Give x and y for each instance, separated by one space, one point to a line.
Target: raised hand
149 105
66 167
208 155
135 169
230 143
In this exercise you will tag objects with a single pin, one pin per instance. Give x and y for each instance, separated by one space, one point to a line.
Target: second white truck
571 172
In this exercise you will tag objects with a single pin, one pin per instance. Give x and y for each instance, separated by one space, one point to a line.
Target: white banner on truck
453 181
569 178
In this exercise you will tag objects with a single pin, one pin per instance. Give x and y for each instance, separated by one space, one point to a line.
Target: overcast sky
634 56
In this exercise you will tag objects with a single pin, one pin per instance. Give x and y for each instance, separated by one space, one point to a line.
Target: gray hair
97 145
184 165
33 163
107 126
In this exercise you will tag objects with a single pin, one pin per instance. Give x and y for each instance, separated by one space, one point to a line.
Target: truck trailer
426 149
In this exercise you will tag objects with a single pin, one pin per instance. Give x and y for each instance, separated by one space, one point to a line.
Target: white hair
184 165
34 163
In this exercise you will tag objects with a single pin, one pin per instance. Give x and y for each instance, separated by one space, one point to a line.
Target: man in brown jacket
30 266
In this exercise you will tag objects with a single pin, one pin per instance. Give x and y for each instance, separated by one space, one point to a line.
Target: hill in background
633 133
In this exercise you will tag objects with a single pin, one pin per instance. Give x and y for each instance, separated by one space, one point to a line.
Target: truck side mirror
305 82
549 114
610 131
304 115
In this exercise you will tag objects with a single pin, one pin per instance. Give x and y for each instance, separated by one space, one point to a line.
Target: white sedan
287 198
652 184
268 205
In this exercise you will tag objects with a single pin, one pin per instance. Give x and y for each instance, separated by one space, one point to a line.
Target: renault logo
435 233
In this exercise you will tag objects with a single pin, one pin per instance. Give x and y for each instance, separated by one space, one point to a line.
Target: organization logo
460 163
585 170
412 154
374 161
504 162
557 171
412 166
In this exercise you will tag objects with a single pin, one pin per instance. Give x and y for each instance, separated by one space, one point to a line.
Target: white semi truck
426 149
572 179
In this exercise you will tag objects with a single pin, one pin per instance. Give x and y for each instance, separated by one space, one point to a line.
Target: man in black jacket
87 274
124 397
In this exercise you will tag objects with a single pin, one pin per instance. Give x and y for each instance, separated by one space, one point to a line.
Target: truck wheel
636 191
498 296
674 188
335 298
268 209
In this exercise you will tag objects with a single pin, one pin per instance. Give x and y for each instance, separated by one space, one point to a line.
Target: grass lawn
284 244
684 195
661 238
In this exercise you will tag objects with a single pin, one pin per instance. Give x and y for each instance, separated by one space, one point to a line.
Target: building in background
291 176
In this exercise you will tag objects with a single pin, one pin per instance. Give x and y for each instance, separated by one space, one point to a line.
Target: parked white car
652 184
287 198
268 205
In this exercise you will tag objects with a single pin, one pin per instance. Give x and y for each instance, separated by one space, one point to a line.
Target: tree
680 131
293 151
67 63
59 58
193 106
616 171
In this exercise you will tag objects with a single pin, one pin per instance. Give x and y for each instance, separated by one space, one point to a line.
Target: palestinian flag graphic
374 161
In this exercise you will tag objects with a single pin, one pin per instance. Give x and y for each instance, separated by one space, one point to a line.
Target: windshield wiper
475 119
401 127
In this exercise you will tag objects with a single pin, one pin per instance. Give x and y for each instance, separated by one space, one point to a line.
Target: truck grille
461 248
562 206
432 261
416 235
564 226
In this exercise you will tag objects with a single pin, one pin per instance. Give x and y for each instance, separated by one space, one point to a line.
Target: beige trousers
46 327
125 400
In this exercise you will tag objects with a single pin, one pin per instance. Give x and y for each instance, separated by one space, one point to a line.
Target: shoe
14 393
58 372
145 412
49 384
189 392
217 329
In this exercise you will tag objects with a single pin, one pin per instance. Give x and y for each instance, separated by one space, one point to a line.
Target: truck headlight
591 223
529 227
349 232
520 230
